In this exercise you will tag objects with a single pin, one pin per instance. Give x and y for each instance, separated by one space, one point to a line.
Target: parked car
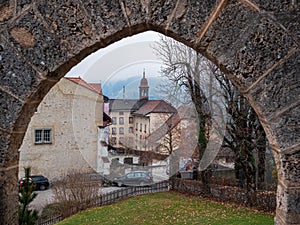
40 182
135 178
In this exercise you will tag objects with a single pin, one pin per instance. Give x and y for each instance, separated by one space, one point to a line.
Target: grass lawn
169 208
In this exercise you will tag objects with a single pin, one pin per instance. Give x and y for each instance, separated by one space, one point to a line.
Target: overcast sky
127 57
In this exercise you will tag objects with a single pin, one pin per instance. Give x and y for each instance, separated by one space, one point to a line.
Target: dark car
40 182
135 178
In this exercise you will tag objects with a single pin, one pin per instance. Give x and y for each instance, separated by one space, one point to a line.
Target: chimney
124 92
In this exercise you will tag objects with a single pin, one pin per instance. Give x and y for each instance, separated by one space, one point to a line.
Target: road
46 197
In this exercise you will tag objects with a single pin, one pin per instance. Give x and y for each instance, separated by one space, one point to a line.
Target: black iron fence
106 199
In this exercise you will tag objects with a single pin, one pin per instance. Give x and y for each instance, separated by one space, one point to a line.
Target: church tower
144 88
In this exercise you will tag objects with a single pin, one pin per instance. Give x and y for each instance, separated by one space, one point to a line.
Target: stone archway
255 42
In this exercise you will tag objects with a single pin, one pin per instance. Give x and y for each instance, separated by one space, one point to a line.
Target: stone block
9 145
37 43
291 21
10 108
293 206
275 5
107 18
280 88
6 12
9 196
137 12
4 144
22 4
16 114
291 168
246 43
286 12
286 128
188 19
159 12
288 206
68 20
226 30
16 76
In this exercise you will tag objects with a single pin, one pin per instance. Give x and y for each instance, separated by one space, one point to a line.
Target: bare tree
245 135
184 67
173 93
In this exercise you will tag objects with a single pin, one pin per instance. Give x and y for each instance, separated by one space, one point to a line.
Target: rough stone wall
73 113
255 42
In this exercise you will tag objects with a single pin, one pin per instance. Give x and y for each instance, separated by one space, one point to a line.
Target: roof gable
125 104
97 87
83 83
155 106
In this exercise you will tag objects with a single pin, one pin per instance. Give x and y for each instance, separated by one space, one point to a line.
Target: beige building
63 133
133 120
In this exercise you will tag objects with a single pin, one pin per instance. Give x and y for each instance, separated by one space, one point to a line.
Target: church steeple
144 88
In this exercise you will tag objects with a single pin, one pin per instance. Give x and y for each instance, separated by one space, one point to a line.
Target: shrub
75 192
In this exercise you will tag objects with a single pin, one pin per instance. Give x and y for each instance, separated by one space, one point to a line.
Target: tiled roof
83 83
96 86
125 104
155 106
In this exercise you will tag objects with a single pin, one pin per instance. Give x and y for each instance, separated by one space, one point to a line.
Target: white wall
73 113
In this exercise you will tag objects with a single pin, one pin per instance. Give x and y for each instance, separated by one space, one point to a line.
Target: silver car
135 178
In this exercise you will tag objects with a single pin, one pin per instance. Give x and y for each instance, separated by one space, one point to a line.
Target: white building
63 133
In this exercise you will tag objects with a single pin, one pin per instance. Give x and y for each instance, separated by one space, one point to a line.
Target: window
144 93
121 120
129 161
113 120
121 140
113 130
141 127
136 126
130 175
130 130
121 130
145 128
43 136
113 141
131 120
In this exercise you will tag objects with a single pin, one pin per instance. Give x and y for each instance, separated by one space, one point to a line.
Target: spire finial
144 73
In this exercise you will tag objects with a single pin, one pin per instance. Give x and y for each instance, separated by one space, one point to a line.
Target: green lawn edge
169 208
